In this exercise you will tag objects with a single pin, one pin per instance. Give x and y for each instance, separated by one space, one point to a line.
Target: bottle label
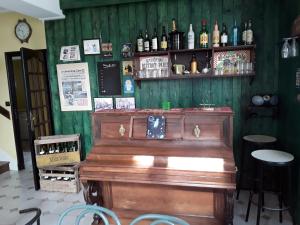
203 39
163 44
191 41
224 39
147 46
249 37
140 45
216 38
244 36
154 43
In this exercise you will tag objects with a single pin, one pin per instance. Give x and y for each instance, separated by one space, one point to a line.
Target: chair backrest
159 219
103 213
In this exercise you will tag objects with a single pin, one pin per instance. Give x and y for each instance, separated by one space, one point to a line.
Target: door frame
14 107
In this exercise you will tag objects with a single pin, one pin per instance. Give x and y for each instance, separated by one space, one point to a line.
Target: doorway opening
30 102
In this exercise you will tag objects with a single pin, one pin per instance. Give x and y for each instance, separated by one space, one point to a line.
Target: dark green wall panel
121 23
289 124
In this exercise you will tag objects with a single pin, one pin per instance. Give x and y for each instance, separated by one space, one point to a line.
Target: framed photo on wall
74 86
91 46
103 103
125 103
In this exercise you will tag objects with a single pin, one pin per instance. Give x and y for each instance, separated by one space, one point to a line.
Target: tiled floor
17 192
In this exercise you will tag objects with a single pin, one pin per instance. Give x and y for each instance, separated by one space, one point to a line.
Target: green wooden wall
121 23
289 122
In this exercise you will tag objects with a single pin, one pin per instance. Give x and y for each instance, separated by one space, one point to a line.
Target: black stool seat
269 158
257 141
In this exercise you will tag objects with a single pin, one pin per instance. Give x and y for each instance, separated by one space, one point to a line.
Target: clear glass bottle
235 34
191 38
216 36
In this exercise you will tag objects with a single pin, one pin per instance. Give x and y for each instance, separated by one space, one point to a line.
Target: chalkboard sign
109 78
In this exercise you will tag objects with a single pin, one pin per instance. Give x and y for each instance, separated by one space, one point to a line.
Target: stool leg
280 195
249 205
240 172
260 190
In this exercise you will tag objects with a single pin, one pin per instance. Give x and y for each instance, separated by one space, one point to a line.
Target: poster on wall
70 53
74 87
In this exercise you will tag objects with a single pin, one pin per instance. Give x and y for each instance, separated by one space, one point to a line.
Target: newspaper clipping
74 87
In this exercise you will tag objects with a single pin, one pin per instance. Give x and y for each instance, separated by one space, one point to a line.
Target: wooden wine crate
49 178
56 159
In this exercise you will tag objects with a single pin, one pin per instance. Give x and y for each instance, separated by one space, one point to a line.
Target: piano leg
229 201
92 193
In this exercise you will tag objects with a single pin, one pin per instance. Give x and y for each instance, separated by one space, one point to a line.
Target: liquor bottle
51 150
154 45
235 34
216 36
204 35
191 38
164 40
176 37
57 150
244 34
193 64
224 35
42 151
249 34
146 43
140 42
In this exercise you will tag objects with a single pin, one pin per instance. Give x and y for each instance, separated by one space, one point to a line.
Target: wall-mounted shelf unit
217 59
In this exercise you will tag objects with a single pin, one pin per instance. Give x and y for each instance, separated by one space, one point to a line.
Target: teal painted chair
159 219
103 213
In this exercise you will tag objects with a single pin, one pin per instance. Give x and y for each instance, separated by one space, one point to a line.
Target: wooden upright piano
189 174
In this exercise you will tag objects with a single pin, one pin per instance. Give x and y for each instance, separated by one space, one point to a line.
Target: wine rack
60 178
57 150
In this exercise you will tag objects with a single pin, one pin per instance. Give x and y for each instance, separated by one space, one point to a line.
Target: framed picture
125 103
74 86
127 67
70 53
128 85
103 103
127 50
106 49
91 46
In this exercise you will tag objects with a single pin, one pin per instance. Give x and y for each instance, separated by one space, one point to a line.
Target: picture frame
103 104
127 68
126 51
125 103
128 85
107 50
91 46
69 53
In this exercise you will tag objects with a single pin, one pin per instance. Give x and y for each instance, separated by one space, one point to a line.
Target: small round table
270 158
257 142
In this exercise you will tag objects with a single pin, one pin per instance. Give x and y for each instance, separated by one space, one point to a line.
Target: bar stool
267 158
256 142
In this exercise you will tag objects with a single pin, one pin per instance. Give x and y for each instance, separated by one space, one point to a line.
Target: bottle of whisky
146 42
140 42
244 34
249 34
191 38
164 40
154 43
204 35
176 37
216 36
193 64
224 36
235 34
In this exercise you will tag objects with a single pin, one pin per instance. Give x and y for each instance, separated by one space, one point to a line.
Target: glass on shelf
286 49
294 47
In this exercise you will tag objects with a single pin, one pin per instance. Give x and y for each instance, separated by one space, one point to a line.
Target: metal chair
159 219
36 218
103 213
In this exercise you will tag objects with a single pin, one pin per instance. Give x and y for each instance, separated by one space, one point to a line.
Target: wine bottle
249 34
57 150
154 42
216 36
193 64
235 35
140 42
42 151
204 35
146 42
244 34
191 38
224 35
164 40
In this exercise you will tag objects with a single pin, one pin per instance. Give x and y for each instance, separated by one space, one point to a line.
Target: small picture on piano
156 127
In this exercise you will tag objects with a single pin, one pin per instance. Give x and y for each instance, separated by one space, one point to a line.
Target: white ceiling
40 9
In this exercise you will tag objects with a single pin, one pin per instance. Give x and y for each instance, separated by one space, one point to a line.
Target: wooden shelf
234 48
